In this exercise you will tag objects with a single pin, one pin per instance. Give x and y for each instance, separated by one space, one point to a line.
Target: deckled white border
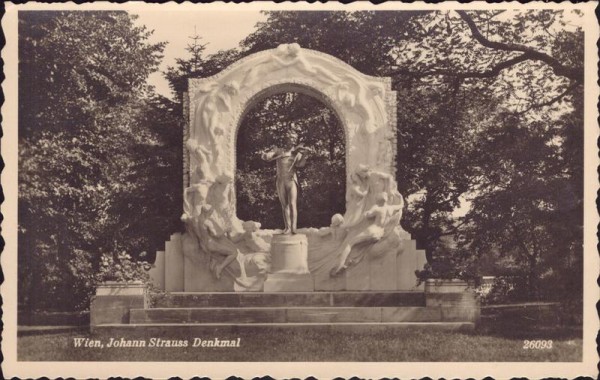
320 370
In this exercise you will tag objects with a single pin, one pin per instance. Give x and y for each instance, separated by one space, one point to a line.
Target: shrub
122 268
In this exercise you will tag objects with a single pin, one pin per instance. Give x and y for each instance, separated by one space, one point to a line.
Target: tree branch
528 54
521 242
491 73
451 231
551 101
559 69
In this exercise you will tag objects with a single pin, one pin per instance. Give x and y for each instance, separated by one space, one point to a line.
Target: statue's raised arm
271 155
289 159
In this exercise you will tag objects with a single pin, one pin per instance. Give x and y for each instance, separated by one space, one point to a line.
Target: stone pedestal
114 300
456 297
289 266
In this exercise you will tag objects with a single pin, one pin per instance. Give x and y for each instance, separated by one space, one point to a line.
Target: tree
465 81
457 73
87 127
197 66
186 68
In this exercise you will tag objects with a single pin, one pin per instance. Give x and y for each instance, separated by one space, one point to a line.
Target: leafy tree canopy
94 150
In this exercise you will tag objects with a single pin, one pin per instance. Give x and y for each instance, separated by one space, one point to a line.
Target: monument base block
289 268
289 282
289 254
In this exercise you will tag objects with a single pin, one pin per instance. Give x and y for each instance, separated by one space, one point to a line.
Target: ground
399 346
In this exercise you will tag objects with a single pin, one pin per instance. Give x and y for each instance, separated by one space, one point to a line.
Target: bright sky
221 30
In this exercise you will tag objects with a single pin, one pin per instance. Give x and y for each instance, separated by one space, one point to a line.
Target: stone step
301 315
198 300
170 330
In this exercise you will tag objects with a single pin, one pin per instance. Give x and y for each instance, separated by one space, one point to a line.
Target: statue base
289 282
289 265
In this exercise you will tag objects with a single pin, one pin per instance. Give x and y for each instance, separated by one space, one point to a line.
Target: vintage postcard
294 190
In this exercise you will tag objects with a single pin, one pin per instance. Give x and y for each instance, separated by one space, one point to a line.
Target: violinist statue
289 159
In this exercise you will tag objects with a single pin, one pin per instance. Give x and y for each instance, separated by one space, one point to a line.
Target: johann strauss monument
227 272
364 249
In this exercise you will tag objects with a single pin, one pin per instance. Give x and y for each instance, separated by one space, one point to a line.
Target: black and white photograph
294 190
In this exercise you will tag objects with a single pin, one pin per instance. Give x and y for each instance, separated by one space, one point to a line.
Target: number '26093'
537 344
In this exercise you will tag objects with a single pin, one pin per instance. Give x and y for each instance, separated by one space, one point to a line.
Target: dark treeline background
489 110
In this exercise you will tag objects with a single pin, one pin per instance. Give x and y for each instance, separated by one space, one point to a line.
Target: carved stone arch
270 89
365 105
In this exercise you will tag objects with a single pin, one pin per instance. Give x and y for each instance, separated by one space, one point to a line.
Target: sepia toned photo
294 190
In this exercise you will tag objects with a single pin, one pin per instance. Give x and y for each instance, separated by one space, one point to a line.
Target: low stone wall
537 313
50 318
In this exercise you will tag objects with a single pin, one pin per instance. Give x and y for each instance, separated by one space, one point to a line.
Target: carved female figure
336 229
288 56
250 238
216 99
220 196
356 196
379 216
217 240
382 183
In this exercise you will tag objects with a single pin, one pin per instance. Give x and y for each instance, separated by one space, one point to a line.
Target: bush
448 270
506 289
122 268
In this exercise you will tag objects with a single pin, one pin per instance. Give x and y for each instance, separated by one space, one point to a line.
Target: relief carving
240 250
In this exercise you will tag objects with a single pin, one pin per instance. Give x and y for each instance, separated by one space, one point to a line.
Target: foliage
450 266
505 290
530 205
121 268
197 66
97 158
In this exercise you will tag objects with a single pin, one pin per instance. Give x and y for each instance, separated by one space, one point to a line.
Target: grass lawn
281 345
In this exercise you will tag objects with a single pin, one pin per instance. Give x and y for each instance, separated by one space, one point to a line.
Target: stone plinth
289 265
174 264
114 300
289 254
456 297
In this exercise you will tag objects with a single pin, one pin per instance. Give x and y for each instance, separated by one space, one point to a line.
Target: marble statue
217 239
212 100
364 187
289 159
336 230
250 238
223 253
194 196
364 99
220 196
379 217
202 155
254 248
356 196
287 56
